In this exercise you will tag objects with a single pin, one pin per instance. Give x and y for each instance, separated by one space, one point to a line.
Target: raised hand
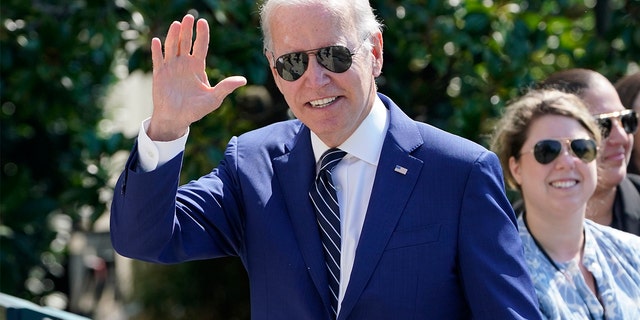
181 91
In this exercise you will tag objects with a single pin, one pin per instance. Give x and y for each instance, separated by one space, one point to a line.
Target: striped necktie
324 199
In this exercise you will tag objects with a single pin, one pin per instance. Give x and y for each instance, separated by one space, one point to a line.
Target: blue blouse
612 257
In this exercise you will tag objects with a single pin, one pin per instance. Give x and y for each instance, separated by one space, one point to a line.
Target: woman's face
566 183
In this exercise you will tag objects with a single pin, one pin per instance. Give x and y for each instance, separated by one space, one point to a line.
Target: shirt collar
366 142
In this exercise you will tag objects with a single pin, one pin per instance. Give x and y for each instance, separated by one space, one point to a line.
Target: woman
547 143
628 88
616 201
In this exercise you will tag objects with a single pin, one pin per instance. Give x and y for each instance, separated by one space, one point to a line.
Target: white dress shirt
353 175
153 154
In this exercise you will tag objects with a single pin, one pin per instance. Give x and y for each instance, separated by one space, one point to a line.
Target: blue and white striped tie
325 201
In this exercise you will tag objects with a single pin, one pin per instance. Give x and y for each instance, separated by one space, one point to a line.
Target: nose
617 135
316 75
566 158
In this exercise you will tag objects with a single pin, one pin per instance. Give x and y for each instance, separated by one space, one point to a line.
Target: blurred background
75 86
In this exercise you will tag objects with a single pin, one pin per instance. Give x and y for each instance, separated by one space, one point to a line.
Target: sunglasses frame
279 61
605 121
540 158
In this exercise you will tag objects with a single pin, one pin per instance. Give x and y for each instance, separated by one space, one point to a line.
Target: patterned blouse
612 256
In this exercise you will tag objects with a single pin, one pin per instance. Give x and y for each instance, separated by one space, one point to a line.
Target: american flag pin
401 170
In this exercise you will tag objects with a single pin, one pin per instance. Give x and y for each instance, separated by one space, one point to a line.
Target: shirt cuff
153 154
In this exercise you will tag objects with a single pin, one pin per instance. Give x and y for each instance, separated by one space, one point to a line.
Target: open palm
181 90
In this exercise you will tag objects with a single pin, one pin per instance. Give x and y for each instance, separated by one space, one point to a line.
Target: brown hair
512 130
628 88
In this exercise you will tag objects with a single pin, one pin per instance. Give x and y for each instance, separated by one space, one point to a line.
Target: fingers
179 40
186 34
179 37
171 43
201 45
156 53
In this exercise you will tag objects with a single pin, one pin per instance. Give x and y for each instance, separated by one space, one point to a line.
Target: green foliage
452 63
53 155
461 61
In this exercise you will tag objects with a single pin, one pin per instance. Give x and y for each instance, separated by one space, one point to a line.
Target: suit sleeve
156 220
493 269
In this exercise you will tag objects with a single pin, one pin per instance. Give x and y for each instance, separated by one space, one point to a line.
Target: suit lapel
395 179
295 172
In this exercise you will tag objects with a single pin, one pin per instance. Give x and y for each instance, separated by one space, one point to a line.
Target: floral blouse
612 256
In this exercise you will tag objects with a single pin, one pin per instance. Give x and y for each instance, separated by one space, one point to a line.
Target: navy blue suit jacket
439 242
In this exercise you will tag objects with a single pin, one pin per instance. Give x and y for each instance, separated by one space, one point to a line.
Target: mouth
564 184
615 156
322 103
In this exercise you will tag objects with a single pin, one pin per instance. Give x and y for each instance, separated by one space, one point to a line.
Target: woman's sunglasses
291 66
546 151
628 120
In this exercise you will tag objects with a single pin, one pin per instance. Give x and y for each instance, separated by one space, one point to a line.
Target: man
424 227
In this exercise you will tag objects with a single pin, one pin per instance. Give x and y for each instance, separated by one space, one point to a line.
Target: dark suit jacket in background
626 206
439 242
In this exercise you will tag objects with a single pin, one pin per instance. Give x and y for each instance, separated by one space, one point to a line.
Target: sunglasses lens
605 126
584 149
547 150
335 58
629 122
291 66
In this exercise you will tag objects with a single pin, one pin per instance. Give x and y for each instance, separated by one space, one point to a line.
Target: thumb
228 85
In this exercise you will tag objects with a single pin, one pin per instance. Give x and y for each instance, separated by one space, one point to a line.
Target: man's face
615 149
331 104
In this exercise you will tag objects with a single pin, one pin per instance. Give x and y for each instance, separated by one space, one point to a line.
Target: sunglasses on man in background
628 119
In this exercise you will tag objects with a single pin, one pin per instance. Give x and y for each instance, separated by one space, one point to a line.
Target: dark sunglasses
628 120
546 151
291 66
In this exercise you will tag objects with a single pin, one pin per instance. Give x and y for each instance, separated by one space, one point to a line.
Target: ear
377 53
514 168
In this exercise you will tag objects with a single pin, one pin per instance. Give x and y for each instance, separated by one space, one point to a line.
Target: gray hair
357 13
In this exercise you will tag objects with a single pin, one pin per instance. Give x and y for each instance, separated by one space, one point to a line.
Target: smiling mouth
564 184
321 103
615 156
